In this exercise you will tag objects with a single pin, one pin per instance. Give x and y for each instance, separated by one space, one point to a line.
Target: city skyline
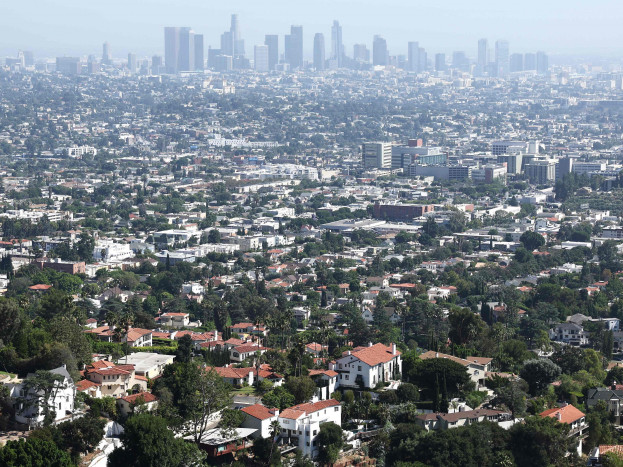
443 28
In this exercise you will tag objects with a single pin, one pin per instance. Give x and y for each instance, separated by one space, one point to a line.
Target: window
346 376
336 409
315 431
358 367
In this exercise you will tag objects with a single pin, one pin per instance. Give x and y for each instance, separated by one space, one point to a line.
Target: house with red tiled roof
259 418
146 400
244 351
365 367
137 337
301 424
175 320
315 349
477 367
572 416
326 380
237 377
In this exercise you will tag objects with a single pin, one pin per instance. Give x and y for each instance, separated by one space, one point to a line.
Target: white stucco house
300 424
29 407
365 367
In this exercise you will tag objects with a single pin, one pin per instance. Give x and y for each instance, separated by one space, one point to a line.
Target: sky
79 27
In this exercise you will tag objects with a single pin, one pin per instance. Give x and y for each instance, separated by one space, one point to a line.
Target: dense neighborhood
355 267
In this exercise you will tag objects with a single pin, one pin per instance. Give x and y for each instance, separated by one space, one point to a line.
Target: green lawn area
246 391
12 375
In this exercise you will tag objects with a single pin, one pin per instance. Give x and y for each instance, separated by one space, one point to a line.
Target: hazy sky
79 27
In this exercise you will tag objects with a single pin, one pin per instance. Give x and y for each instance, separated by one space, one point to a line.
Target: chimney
348 352
393 349
215 335
558 416
436 354
275 412
369 344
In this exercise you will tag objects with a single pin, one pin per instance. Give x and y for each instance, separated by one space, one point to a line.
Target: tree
408 392
329 441
302 388
85 246
538 373
465 326
184 350
56 302
35 453
279 398
147 441
513 396
9 320
82 435
452 377
197 393
540 441
570 359
214 236
532 240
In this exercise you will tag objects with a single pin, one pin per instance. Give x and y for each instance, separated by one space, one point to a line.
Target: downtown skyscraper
337 47
319 52
502 58
272 41
380 55
183 50
294 47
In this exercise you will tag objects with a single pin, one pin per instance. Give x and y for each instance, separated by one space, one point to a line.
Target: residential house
242 352
569 333
300 424
175 320
573 417
259 418
146 400
237 377
29 409
365 367
477 367
446 421
612 397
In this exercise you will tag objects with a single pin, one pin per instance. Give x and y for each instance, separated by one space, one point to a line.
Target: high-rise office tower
529 62
132 63
423 60
361 53
156 65
380 55
238 43
261 58
29 58
337 49
413 58
377 155
483 59
68 65
294 47
516 62
106 55
272 41
440 62
502 57
227 44
542 63
460 61
199 57
319 51
179 46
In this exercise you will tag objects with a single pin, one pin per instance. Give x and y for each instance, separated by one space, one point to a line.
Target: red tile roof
376 354
307 408
568 414
259 411
146 396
